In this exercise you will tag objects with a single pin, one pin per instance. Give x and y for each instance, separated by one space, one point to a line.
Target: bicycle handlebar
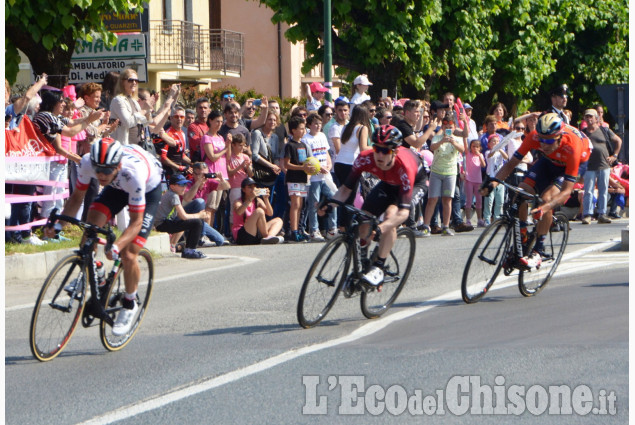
356 211
110 235
519 191
353 209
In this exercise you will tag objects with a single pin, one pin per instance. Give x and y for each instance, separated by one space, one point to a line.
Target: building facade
216 43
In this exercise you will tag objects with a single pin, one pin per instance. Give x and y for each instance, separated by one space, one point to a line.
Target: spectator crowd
246 175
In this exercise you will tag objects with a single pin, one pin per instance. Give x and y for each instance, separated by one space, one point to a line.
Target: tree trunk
384 77
55 62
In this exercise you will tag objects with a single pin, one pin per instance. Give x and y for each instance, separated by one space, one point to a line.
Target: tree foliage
47 30
482 51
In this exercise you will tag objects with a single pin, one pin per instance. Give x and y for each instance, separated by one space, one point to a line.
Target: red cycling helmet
387 135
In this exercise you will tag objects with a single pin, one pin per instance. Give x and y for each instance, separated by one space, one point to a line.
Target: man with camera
172 218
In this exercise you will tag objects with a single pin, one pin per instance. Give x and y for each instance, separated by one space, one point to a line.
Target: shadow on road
605 285
21 360
260 330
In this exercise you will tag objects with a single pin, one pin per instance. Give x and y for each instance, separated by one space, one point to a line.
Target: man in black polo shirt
411 117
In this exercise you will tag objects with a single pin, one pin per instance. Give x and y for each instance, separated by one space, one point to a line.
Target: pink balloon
428 156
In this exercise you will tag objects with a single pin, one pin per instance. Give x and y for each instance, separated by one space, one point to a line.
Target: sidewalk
37 266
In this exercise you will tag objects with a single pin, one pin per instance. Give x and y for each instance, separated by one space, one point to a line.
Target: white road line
241 261
370 328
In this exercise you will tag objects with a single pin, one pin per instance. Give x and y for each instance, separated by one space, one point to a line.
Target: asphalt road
221 344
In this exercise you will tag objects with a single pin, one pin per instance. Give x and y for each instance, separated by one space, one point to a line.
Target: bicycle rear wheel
377 301
57 310
486 260
323 282
533 281
115 296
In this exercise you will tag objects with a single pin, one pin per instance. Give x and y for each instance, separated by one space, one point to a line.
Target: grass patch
74 233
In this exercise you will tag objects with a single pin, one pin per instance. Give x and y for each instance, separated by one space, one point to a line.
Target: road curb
37 266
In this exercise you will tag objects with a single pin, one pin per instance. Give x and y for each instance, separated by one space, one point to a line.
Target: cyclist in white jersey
130 176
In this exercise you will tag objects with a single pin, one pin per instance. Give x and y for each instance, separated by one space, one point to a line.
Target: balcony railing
189 45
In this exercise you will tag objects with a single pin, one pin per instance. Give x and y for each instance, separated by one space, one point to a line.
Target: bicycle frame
87 253
353 238
512 216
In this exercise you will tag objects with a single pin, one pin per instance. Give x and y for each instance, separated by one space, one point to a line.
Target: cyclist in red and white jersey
402 178
132 177
553 175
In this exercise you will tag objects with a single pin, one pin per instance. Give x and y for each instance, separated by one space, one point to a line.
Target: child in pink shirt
238 167
474 160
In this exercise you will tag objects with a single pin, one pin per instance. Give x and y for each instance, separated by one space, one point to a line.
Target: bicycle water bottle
101 273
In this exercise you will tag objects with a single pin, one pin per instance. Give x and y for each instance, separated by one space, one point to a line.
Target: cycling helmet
106 152
387 135
549 126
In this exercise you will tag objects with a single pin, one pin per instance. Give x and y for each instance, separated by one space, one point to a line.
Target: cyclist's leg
129 253
545 223
391 221
131 271
377 203
539 179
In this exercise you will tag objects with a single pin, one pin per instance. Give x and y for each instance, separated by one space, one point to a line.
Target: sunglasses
133 80
372 110
328 114
388 117
383 149
519 128
548 141
104 170
229 96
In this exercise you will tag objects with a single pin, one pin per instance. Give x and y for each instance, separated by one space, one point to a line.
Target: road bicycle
500 248
329 274
64 297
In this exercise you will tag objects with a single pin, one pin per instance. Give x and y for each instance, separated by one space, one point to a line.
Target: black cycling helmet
549 126
387 135
106 152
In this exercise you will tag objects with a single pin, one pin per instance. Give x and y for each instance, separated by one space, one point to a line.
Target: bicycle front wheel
530 282
323 282
115 296
377 301
58 308
486 260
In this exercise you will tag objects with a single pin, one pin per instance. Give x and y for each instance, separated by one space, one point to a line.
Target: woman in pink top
473 162
214 152
250 217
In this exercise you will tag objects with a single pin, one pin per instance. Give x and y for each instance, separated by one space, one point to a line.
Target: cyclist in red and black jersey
402 178
553 175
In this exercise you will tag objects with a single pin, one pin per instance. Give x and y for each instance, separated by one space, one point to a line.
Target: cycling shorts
543 174
111 201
